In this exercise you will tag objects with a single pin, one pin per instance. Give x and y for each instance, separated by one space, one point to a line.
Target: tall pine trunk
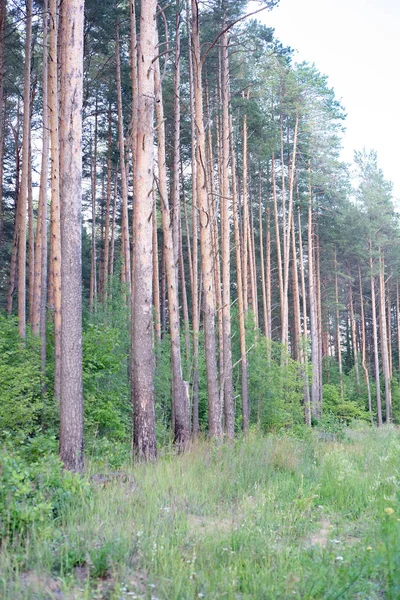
144 439
71 398
214 404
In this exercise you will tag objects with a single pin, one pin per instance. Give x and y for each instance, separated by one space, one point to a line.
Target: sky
357 44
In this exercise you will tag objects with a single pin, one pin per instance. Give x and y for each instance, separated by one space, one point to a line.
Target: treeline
207 166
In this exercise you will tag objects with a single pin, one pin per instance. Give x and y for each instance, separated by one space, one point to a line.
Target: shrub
34 488
20 379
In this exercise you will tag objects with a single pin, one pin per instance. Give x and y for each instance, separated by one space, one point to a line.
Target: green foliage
20 379
343 409
34 488
107 402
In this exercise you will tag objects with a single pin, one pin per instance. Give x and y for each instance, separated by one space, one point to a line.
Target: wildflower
389 510
339 558
369 548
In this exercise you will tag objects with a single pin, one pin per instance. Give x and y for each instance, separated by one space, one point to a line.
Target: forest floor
262 517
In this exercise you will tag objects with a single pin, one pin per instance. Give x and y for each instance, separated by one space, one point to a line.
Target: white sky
357 44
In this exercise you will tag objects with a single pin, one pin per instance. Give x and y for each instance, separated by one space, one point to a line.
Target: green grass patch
262 517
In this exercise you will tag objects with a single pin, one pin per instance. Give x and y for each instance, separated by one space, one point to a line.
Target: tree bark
240 292
363 348
55 216
214 404
144 439
384 340
375 337
71 399
125 249
93 269
23 194
316 406
229 407
40 277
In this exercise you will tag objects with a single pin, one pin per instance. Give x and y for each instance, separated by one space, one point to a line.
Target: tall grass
263 517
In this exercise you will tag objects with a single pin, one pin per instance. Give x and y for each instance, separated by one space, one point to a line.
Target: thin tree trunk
134 70
156 281
229 407
384 340
240 291
14 251
253 268
338 335
307 404
375 337
23 194
287 233
398 322
214 404
93 270
263 284
31 236
316 407
353 334
3 11
195 259
363 348
71 399
268 292
245 222
126 255
114 214
40 278
278 242
55 226
106 257
144 438
389 330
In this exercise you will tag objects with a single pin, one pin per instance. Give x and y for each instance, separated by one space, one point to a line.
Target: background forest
303 318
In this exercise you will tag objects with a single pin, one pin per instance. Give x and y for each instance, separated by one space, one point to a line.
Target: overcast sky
357 44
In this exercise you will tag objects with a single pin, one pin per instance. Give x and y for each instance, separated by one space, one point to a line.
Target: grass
263 517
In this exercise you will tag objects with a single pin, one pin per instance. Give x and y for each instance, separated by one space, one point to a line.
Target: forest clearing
199 313
310 517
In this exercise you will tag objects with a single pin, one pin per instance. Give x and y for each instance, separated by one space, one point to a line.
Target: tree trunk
195 259
240 292
384 340
307 405
363 348
375 336
40 278
106 256
71 400
338 335
23 194
278 242
144 439
214 405
287 233
55 217
93 269
3 11
125 248
229 407
353 334
316 407
14 251
156 281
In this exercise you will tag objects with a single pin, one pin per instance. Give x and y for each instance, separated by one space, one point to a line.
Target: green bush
20 379
343 409
34 487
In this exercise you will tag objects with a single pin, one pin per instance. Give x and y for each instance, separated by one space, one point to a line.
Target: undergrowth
283 516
